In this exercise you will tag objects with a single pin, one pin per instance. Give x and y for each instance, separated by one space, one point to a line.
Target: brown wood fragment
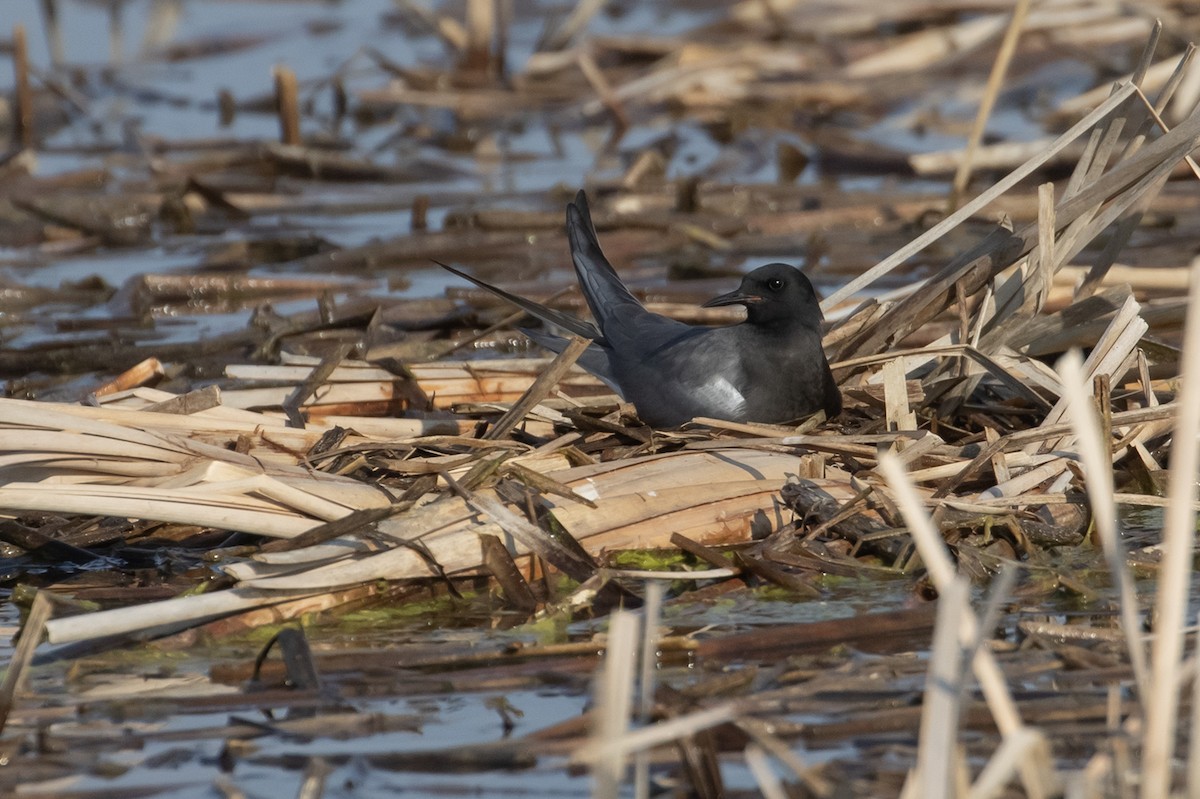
818 507
287 105
873 630
41 545
312 382
709 555
498 561
202 399
479 59
356 522
544 483
147 372
420 213
299 666
772 573
23 119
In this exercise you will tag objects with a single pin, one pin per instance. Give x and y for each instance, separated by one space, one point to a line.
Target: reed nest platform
1003 516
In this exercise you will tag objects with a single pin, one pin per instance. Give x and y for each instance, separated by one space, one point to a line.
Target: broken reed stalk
1156 112
481 19
315 775
569 28
995 80
768 742
1037 774
941 706
1095 450
540 389
32 633
1094 200
595 76
448 532
148 371
651 608
654 575
652 600
312 383
769 784
897 415
54 38
663 732
23 121
1179 533
1085 214
1147 57
1019 748
1138 130
614 703
419 213
1047 263
962 214
1168 91
534 538
287 104
1192 786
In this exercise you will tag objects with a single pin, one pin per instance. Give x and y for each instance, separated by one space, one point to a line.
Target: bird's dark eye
775 284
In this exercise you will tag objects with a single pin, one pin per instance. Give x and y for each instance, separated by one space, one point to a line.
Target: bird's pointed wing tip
453 269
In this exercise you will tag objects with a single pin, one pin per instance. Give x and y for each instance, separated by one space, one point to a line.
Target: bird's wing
711 372
594 358
606 295
546 314
696 373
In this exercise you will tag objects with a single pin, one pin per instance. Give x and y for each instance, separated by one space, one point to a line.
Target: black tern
770 368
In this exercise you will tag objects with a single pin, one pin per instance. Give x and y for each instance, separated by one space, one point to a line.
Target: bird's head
775 295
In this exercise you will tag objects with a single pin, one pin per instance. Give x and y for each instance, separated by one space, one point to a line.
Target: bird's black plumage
770 368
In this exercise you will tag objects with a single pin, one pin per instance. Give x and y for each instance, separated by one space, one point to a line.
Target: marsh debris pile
279 414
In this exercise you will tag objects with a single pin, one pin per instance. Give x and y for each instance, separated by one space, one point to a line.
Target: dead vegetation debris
346 456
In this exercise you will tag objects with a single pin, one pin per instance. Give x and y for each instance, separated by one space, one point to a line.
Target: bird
770 368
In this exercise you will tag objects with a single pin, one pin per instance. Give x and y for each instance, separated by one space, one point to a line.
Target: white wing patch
720 394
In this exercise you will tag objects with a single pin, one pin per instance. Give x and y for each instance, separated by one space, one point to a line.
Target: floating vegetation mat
284 548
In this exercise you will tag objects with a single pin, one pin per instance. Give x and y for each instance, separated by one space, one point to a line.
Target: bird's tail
594 359
606 295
